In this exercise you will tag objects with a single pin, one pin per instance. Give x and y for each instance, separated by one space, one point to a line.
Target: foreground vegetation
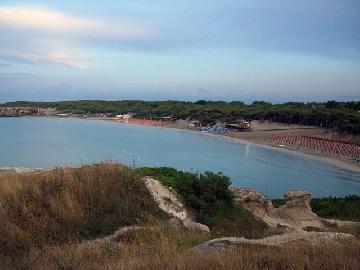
209 195
347 208
162 249
69 205
49 220
342 116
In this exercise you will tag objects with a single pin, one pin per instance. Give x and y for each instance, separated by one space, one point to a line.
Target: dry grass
162 249
69 204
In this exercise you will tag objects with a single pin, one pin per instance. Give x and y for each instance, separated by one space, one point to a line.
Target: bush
209 195
237 222
341 208
278 202
202 192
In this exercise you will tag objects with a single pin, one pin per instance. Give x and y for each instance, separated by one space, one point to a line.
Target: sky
273 50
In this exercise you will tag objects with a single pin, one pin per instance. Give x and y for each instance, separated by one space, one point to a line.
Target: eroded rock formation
5 171
295 238
295 215
113 238
26 111
169 202
17 111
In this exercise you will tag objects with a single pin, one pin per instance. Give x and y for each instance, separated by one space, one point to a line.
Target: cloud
38 35
16 75
53 21
53 56
4 65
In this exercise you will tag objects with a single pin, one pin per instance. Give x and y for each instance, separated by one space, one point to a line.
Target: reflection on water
42 142
247 150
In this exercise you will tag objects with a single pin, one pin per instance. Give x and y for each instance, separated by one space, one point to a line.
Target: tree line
341 116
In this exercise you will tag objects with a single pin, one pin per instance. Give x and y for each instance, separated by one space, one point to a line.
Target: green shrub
341 208
237 222
209 195
278 202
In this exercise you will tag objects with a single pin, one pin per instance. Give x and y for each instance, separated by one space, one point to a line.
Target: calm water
43 142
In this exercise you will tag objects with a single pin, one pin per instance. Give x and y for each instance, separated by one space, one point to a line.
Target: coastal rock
257 203
113 238
4 171
17 111
168 201
297 198
295 238
252 198
295 215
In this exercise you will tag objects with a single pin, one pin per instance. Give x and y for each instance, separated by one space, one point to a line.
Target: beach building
123 116
244 126
195 123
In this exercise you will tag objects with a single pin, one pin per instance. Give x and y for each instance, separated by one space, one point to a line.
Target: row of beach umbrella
332 147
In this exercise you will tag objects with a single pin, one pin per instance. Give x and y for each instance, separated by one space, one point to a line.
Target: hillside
60 219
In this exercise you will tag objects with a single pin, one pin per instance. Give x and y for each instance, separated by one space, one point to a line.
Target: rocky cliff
25 111
295 215
18 111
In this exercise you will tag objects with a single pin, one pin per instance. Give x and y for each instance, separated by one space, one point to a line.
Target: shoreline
331 160
338 162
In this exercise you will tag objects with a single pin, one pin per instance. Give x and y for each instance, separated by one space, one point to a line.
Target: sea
54 142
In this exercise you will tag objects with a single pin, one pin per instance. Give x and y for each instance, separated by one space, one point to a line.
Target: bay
50 142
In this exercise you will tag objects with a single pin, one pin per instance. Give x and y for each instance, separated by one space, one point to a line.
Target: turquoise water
44 142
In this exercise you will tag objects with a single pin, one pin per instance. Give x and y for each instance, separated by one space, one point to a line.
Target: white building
124 116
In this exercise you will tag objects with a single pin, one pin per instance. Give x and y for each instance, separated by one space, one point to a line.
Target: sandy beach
261 131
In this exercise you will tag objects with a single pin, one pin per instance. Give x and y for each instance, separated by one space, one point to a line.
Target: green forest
341 116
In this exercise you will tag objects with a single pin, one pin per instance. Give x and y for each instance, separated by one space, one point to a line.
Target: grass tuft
67 204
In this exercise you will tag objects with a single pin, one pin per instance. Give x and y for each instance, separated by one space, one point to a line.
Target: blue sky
187 50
